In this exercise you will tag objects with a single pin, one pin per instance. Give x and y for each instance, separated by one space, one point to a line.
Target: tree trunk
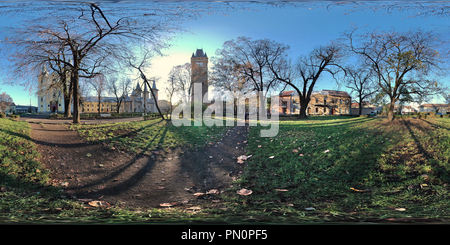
76 96
303 108
391 111
118 107
153 95
360 108
67 101
99 102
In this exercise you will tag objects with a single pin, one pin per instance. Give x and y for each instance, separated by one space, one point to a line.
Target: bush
364 116
151 116
14 116
2 115
56 115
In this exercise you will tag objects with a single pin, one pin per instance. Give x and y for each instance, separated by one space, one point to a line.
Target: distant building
25 109
10 107
51 100
199 72
439 108
330 102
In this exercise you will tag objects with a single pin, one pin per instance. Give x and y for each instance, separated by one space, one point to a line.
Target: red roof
287 93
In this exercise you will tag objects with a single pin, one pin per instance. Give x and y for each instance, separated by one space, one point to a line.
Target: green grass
350 168
143 137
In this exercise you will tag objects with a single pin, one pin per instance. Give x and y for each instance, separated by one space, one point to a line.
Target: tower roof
145 87
154 85
138 87
199 53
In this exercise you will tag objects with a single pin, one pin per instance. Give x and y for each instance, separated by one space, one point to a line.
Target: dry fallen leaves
281 190
244 192
101 204
366 190
243 157
271 157
213 191
294 151
166 204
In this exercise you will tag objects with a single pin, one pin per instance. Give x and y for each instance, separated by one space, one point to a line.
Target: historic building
52 100
133 103
199 72
323 102
140 99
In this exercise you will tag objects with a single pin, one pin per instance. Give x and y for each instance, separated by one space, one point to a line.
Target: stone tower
199 71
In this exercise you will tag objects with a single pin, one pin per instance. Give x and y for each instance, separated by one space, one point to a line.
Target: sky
302 28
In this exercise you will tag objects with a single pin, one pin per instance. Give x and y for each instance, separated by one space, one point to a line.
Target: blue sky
301 28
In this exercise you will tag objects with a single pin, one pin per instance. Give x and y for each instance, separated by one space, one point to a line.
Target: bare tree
183 77
226 76
94 37
99 85
170 90
140 64
119 89
360 80
403 63
5 101
307 71
250 59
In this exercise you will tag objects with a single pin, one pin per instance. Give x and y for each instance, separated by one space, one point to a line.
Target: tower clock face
200 64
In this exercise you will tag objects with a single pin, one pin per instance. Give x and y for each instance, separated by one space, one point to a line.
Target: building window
42 99
340 101
59 105
42 106
324 102
325 110
317 110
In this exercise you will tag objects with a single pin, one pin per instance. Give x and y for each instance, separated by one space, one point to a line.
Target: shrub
2 115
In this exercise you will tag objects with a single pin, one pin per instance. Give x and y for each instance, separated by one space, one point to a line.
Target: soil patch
92 171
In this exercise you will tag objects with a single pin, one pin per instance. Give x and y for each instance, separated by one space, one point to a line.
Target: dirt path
90 171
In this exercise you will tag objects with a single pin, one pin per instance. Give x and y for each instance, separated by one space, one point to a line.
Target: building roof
138 87
199 53
434 105
95 99
287 93
333 93
145 87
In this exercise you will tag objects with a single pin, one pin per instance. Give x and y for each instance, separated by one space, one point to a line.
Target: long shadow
434 125
26 137
132 132
439 170
129 183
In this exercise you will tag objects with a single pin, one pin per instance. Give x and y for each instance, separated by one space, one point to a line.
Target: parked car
373 113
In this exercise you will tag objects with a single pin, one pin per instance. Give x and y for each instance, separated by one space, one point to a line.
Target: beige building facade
325 102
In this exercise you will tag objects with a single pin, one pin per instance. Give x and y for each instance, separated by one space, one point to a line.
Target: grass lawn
340 167
143 137
321 169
